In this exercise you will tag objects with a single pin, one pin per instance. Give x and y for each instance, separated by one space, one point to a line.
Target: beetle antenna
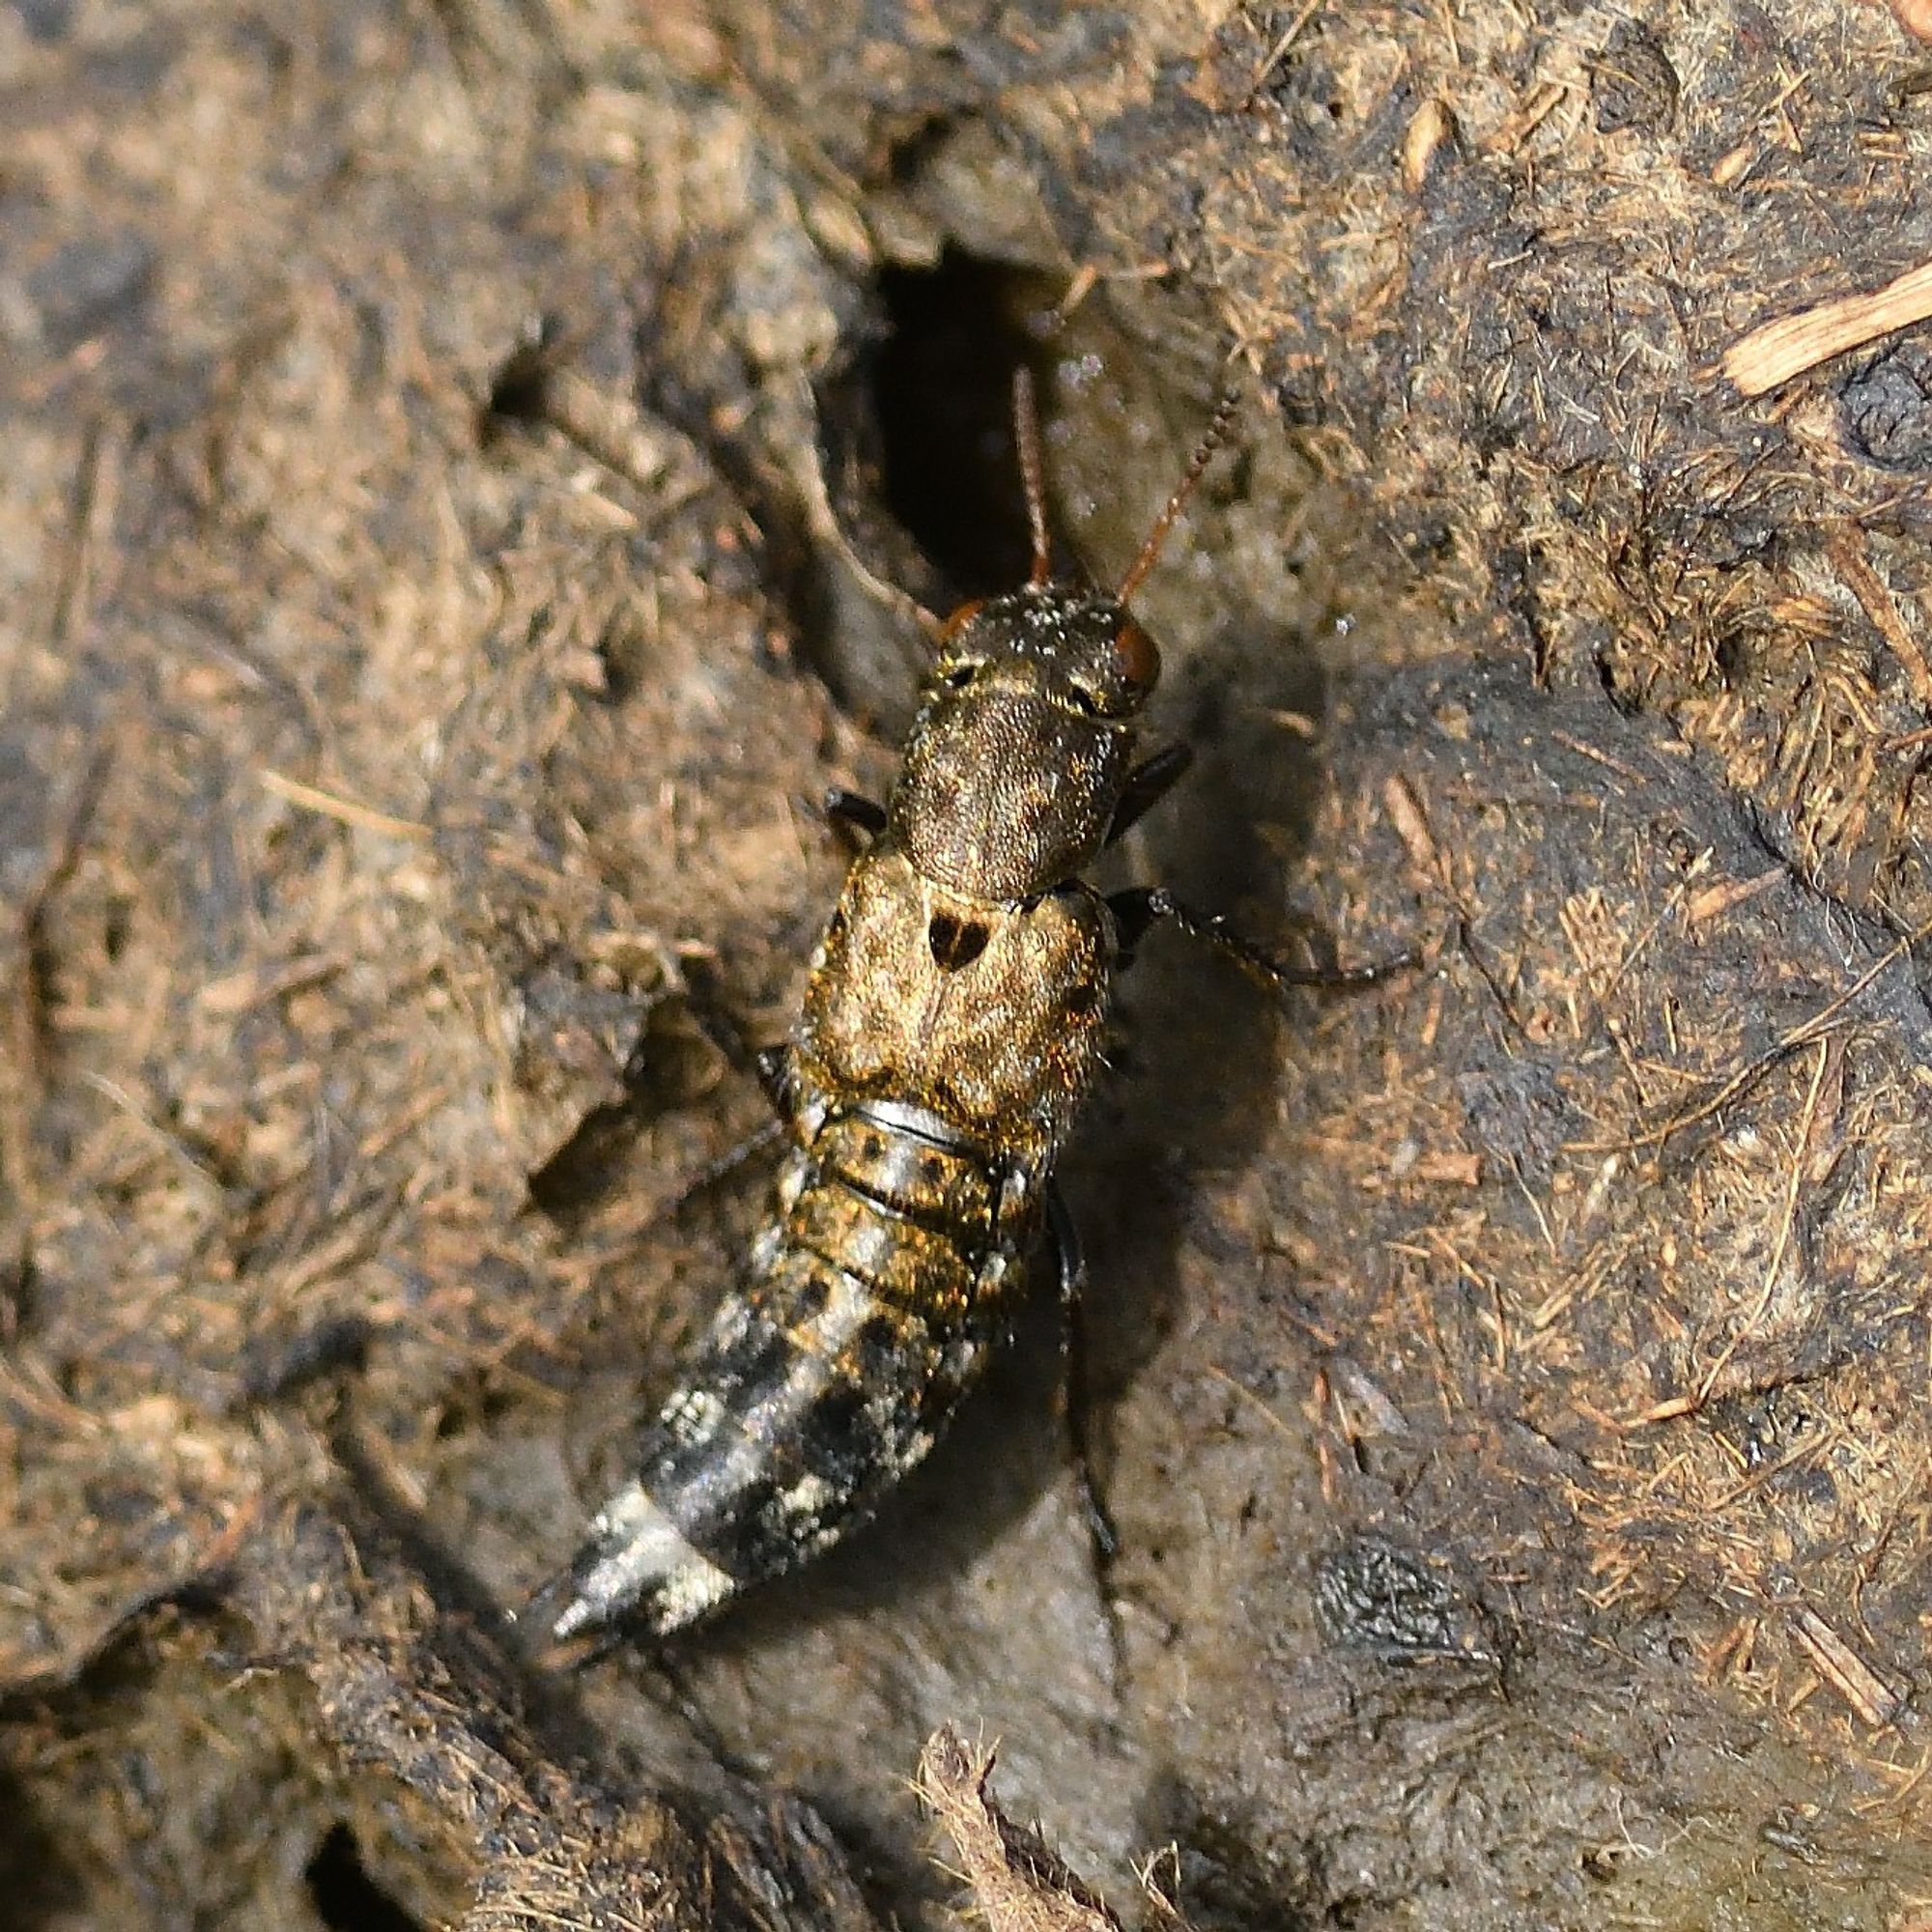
1026 434
1211 439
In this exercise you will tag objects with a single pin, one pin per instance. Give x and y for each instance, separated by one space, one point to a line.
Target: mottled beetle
952 1025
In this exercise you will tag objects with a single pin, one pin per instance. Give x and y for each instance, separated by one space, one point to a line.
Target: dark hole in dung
520 391
943 384
668 1063
956 943
346 1898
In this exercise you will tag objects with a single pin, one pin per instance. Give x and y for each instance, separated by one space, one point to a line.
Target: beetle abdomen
818 1387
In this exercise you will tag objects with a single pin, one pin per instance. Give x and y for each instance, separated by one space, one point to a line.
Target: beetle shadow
1195 1088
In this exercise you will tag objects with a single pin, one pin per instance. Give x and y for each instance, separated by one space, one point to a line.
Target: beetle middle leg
1138 910
1070 1264
768 1065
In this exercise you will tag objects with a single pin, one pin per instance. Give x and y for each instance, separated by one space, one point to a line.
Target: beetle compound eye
1138 659
960 619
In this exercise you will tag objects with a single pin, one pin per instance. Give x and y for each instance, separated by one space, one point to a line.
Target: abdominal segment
815 1390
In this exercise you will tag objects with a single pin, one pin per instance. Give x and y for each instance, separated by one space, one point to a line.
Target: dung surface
459 508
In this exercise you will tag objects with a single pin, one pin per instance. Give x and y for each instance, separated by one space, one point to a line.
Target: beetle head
1023 740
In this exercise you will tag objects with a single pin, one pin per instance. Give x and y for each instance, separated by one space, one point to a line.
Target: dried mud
467 470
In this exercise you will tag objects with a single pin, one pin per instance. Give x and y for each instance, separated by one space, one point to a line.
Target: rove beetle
953 1024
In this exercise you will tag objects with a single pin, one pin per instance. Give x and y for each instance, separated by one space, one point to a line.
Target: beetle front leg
1146 784
855 812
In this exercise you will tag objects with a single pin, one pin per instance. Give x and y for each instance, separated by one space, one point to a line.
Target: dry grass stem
1786 348
1018 1885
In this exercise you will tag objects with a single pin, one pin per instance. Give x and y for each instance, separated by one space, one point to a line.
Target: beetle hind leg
1070 1264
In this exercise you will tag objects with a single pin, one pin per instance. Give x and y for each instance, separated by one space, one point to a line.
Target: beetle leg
1146 784
854 812
1071 1265
1136 911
